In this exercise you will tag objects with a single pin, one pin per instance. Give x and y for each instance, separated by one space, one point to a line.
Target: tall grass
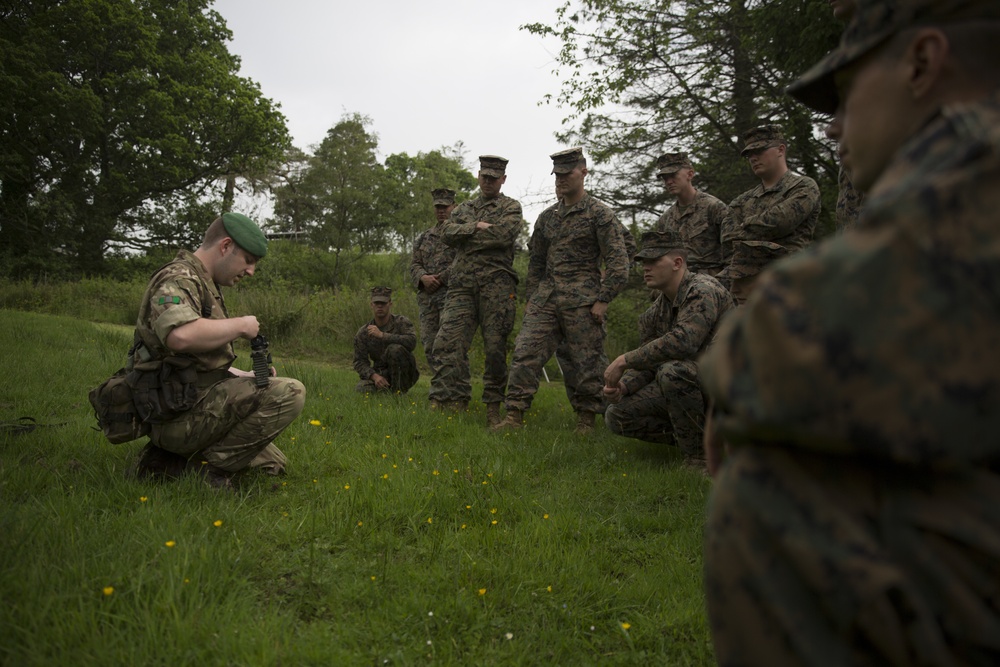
398 536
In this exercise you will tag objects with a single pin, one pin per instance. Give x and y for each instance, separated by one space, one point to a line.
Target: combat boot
156 463
514 420
584 423
492 414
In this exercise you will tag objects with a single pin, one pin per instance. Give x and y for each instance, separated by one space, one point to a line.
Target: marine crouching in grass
206 416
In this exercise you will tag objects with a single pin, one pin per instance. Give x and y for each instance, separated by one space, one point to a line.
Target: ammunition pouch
163 390
117 416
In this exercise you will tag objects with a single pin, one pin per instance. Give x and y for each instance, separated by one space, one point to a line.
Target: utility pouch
166 391
117 416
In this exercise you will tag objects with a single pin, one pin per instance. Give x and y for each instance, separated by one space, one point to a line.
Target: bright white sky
429 73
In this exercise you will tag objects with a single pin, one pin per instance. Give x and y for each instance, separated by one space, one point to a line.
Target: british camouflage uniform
482 293
233 422
765 224
568 246
432 256
699 223
856 519
663 401
390 356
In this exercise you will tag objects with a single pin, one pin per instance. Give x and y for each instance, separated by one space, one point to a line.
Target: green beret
246 233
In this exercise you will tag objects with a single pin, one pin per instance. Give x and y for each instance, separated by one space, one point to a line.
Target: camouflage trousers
543 328
669 410
571 377
232 425
398 366
431 306
814 559
491 308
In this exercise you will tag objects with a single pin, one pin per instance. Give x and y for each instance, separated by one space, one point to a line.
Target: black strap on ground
24 425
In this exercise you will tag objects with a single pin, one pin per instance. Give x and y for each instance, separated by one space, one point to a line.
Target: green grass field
398 536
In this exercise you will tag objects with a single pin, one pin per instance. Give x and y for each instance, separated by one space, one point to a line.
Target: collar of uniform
783 183
579 206
682 289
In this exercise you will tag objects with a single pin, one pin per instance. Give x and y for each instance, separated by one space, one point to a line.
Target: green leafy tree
336 197
410 180
642 77
115 111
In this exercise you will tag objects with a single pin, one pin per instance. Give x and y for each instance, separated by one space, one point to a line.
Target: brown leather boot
584 423
492 414
514 420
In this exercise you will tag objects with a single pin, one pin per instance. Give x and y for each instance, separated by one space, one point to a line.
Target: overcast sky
427 73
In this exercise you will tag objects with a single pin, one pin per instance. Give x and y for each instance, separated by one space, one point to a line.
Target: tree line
125 125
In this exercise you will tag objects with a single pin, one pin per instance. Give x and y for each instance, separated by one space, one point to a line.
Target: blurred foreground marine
206 416
429 272
856 517
653 390
383 349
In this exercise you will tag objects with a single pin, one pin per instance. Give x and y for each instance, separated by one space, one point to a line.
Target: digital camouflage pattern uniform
234 422
482 292
568 246
849 203
431 255
663 401
571 376
856 520
390 356
699 223
765 224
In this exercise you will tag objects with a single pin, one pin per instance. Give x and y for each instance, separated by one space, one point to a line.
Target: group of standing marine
701 259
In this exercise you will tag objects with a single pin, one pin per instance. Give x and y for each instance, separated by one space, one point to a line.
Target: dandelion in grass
455 471
359 523
170 544
373 577
430 519
493 510
509 636
545 516
143 499
463 527
109 590
493 523
385 476
387 437
394 466
385 456
626 626
482 591
435 473
218 523
548 589
187 581
468 507
315 481
347 487
315 422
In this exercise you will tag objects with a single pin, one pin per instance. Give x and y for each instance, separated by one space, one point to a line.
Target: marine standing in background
849 199
482 291
429 272
568 295
697 216
653 390
856 517
383 349
206 416
770 220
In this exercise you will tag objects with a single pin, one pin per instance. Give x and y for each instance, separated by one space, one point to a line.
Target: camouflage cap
443 196
246 233
658 243
873 23
761 137
566 161
381 294
492 165
671 163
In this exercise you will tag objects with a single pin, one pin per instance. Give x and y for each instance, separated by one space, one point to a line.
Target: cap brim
650 253
381 299
817 88
495 173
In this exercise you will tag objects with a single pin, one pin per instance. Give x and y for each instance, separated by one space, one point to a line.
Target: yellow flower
385 455
455 471
108 590
548 588
315 422
346 486
494 522
626 626
493 510
545 516
435 473
463 527
359 523
170 543
218 523
430 519
468 507
482 591
143 499
387 437
385 476
373 577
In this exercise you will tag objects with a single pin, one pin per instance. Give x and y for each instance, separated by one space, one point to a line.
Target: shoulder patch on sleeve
168 299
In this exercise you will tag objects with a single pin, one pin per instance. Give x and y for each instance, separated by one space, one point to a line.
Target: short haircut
215 233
